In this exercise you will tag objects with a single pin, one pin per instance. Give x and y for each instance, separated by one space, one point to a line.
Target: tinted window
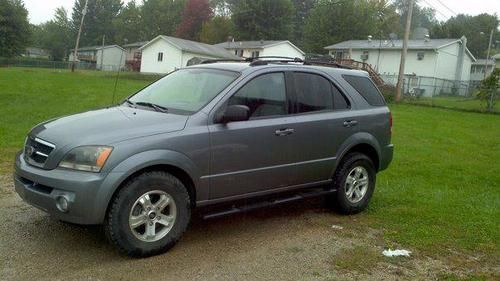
365 88
264 95
339 101
313 92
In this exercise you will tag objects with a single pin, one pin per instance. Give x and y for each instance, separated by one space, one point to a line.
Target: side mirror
236 113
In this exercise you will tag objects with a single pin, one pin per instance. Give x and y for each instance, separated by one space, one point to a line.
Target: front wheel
149 214
354 181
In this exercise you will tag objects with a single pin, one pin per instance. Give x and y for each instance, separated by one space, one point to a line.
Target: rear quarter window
365 87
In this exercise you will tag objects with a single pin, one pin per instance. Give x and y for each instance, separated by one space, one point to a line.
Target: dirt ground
293 242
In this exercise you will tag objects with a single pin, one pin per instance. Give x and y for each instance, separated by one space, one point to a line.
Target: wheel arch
172 162
362 142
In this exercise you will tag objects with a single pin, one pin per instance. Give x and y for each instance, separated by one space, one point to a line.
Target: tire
156 229
346 200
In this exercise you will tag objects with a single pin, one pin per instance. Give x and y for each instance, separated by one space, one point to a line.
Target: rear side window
313 92
366 89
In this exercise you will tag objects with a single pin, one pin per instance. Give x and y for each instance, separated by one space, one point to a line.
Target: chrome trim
41 154
53 146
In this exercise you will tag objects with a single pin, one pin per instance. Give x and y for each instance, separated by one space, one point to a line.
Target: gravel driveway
293 242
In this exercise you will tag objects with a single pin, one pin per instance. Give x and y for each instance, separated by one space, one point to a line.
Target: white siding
172 57
283 50
447 62
112 58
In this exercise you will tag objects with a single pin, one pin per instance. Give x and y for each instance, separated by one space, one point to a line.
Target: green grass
441 192
30 96
442 189
459 103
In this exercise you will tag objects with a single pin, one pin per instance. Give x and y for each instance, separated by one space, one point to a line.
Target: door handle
284 132
350 123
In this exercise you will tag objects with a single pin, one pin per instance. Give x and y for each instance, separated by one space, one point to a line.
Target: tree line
310 24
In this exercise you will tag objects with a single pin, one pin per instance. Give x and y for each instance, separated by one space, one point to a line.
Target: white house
250 49
111 57
164 54
435 65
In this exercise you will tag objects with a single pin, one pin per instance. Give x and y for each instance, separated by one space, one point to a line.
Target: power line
448 8
435 9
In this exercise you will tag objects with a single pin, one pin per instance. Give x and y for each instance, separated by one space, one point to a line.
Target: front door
253 155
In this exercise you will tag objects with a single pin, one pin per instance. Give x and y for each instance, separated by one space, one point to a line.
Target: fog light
62 204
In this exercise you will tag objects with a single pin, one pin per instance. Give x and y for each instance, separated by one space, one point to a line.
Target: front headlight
86 158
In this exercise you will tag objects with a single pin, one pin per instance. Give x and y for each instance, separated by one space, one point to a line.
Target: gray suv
225 136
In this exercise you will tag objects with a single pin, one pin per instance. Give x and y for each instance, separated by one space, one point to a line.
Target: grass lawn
441 193
469 104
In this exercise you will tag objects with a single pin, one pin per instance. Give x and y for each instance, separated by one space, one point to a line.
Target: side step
230 210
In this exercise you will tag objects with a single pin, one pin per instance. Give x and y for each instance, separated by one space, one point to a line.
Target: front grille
37 151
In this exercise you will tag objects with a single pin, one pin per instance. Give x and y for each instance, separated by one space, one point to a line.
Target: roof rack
265 60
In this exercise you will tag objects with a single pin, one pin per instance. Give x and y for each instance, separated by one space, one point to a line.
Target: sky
43 10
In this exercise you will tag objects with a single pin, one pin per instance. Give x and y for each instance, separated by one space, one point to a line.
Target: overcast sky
43 10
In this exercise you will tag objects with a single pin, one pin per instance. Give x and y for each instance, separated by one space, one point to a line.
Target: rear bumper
42 188
386 156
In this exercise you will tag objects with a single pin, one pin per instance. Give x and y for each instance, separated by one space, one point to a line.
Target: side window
265 95
339 101
365 87
313 92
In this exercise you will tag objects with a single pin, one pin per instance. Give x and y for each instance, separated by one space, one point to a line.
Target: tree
98 21
128 24
331 22
471 27
218 30
195 13
15 29
263 19
302 9
161 17
421 16
56 35
490 89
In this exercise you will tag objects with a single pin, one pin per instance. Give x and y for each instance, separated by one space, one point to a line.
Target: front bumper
41 188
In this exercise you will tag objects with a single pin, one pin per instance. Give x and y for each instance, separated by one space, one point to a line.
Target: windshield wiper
156 107
130 103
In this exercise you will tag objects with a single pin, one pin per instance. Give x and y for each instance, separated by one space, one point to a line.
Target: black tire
339 200
117 227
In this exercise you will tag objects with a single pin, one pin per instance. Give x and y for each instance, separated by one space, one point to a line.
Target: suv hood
107 126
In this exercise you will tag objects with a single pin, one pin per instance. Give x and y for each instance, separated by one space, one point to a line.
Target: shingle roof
255 44
135 44
432 44
94 48
248 44
195 47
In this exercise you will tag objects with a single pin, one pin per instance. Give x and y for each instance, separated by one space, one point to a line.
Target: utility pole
488 55
404 51
102 50
75 51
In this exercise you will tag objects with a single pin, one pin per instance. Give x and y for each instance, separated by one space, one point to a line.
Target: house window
255 54
160 56
420 55
235 52
364 56
241 53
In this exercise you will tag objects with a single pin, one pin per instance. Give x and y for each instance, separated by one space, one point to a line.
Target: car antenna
117 76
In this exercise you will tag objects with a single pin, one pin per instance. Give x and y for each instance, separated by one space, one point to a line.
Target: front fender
137 162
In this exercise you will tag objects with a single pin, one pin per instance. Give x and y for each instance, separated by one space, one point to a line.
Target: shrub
389 93
489 90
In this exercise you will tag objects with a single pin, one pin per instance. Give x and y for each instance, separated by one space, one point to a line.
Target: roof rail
221 60
326 63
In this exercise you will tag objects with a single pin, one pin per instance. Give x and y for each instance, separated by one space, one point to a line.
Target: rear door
323 121
253 155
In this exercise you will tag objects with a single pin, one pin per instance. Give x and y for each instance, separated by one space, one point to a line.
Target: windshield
186 90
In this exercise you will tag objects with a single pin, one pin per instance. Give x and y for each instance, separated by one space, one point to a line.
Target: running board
267 203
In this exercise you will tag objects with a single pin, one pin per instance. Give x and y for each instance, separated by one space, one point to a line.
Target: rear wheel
149 214
354 181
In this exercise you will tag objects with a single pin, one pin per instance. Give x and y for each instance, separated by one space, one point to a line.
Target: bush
489 90
389 93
